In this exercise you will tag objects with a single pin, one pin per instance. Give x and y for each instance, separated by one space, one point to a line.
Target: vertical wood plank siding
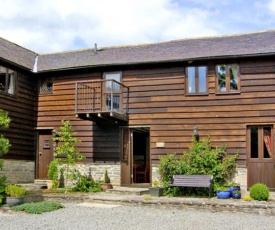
22 111
158 99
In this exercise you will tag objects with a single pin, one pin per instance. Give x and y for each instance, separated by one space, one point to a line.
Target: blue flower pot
223 194
234 188
236 196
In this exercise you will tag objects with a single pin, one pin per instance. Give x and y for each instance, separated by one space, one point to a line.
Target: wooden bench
198 181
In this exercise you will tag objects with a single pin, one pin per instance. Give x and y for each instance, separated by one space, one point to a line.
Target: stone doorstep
128 191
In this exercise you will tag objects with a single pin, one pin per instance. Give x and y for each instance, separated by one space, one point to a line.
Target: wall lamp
196 133
54 134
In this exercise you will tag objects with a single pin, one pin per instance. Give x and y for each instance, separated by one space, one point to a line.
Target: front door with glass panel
260 156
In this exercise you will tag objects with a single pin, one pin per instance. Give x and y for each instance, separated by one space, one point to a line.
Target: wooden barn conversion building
131 104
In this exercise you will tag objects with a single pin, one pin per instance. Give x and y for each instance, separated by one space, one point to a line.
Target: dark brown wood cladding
157 99
22 110
98 142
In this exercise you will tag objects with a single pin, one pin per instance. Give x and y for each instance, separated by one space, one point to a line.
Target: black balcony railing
102 98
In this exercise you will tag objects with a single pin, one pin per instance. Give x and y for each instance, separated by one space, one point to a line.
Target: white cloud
271 5
57 25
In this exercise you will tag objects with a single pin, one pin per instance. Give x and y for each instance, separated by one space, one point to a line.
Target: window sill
8 94
226 93
196 94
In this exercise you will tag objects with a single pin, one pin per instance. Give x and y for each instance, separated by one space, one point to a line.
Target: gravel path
112 216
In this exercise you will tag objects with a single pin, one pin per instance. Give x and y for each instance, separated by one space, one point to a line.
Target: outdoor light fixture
54 134
196 133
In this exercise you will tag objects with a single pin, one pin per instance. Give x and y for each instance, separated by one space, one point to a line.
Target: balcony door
260 156
112 92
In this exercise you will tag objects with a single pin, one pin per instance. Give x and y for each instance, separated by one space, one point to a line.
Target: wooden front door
45 154
135 155
260 156
126 156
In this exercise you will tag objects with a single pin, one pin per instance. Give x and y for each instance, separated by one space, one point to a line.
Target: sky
47 26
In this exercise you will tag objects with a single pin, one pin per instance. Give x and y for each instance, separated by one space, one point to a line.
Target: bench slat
192 180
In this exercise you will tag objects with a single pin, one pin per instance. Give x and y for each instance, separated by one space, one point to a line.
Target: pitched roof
251 44
16 54
260 43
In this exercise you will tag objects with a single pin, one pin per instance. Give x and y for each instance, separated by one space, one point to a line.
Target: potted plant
236 194
15 194
52 181
233 186
106 184
222 192
156 189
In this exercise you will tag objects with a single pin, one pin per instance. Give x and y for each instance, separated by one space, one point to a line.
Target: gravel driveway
114 216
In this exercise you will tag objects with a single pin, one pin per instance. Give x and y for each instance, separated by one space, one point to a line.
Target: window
196 79
261 142
228 79
46 86
113 91
7 80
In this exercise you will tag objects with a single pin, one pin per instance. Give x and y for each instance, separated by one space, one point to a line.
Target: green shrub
15 190
200 159
2 188
259 192
39 207
106 177
85 184
53 173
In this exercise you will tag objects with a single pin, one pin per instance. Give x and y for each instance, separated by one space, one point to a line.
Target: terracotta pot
106 186
49 184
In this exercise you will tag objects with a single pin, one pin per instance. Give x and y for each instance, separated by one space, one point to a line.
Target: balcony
102 101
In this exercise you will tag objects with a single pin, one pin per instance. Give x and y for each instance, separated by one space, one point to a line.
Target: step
40 182
128 191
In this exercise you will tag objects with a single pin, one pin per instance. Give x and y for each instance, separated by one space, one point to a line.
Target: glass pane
11 82
202 79
191 80
113 85
46 86
254 142
267 142
221 77
233 70
3 72
112 104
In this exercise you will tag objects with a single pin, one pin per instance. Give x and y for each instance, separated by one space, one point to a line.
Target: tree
66 152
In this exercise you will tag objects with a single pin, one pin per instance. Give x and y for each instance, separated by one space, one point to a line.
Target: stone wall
19 171
97 171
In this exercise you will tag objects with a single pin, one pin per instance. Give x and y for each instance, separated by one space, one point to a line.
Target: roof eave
160 62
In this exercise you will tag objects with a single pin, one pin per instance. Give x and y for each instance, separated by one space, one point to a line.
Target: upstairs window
7 80
228 79
196 79
46 86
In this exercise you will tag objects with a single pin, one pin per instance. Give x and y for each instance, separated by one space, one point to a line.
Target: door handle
40 154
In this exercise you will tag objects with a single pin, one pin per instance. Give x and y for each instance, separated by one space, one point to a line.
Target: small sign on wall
160 144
